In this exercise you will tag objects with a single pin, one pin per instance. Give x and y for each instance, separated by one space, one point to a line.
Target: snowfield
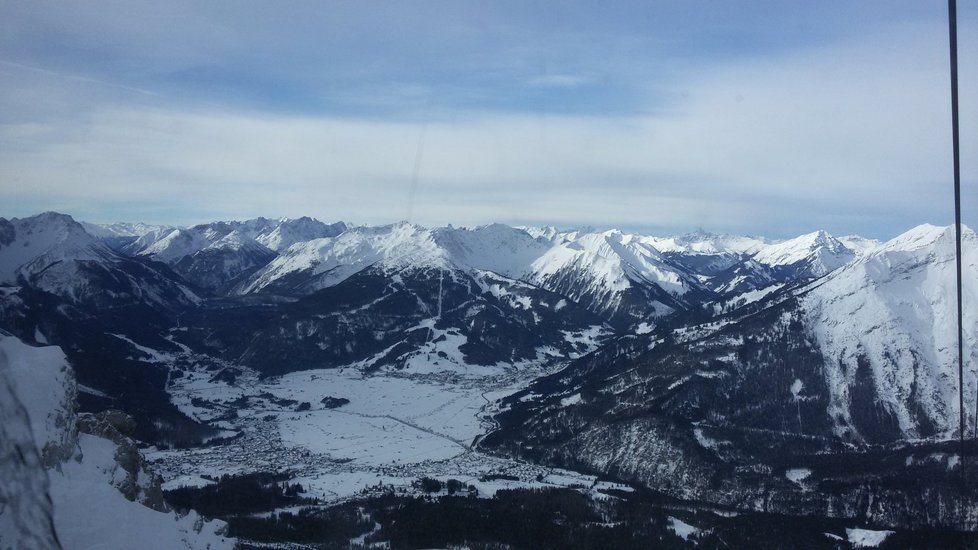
894 308
866 538
396 427
91 513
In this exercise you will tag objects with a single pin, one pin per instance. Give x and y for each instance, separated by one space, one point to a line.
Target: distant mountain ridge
54 253
213 255
626 282
626 278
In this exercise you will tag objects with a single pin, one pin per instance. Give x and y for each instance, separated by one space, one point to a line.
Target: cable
952 20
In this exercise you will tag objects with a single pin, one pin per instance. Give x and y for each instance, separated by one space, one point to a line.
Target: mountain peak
813 239
925 236
29 244
52 216
50 221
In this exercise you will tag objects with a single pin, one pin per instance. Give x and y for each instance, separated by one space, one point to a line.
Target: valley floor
395 428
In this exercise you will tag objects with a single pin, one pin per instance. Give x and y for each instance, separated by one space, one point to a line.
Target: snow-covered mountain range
725 369
626 278
862 358
214 255
54 253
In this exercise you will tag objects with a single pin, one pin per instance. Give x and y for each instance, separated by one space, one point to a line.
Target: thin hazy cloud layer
834 129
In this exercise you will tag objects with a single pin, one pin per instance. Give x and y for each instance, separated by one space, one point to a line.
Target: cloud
850 136
559 80
322 57
76 77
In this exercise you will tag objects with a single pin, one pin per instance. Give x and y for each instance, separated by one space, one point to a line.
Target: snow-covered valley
280 376
340 431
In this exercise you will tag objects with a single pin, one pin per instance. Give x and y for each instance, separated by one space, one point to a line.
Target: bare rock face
136 481
26 514
116 426
45 384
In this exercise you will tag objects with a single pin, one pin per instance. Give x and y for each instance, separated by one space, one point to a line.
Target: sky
762 117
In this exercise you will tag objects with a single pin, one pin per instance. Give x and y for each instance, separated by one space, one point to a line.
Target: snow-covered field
396 428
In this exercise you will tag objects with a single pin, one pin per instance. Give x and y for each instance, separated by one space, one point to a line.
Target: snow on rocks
821 252
866 538
90 512
891 313
170 245
62 488
682 529
42 381
30 245
798 475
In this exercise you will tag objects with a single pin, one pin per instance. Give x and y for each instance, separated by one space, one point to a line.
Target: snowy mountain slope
26 512
58 488
146 240
405 317
171 247
700 251
626 278
289 231
718 262
498 248
620 276
804 257
871 346
119 235
599 268
815 375
860 245
811 255
887 321
613 259
53 253
30 245
45 385
705 243
90 513
123 229
697 243
212 255
277 235
313 265
744 276
553 234
219 264
215 255
326 262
